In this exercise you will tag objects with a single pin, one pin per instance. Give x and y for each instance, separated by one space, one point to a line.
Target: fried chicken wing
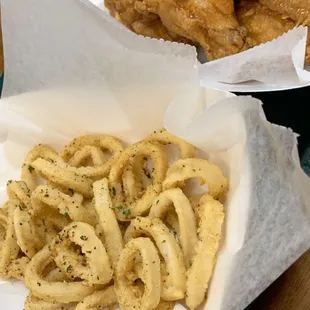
141 21
210 23
263 24
298 10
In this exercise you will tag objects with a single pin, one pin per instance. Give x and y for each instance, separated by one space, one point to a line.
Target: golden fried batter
210 23
142 22
263 24
298 10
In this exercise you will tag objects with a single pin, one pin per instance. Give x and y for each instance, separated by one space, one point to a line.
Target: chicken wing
141 21
262 24
210 23
298 10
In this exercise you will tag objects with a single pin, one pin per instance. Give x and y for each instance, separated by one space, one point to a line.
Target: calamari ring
26 234
56 275
185 169
186 219
94 266
150 276
46 228
67 205
164 137
107 220
159 157
80 148
165 305
97 156
3 227
17 268
18 190
89 205
35 303
99 300
29 176
50 215
211 218
132 184
58 291
9 247
3 223
173 271
64 175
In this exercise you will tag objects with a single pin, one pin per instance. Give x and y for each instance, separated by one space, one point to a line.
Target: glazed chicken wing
210 23
298 10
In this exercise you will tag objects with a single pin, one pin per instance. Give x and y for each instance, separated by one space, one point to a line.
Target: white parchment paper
56 41
267 211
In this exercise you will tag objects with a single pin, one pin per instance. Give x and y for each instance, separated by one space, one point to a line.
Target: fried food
79 150
26 234
107 220
128 295
9 248
63 175
58 291
18 267
67 205
165 305
263 24
172 270
297 10
141 22
98 225
35 303
186 227
212 24
99 300
166 138
93 266
18 190
185 169
29 175
128 209
222 28
210 221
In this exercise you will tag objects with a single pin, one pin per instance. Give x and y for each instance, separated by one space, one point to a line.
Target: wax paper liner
60 43
267 210
55 43
276 65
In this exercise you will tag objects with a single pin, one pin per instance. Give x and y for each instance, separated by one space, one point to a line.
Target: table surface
289 292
